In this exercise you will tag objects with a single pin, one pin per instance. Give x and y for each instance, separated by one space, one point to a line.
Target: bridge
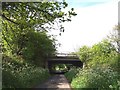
62 58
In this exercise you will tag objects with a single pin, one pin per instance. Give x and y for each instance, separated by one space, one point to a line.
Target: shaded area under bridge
63 58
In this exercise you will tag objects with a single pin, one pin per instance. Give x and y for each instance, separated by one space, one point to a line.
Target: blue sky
94 21
85 3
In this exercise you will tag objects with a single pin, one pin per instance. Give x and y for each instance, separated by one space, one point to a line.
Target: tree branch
42 11
7 41
8 19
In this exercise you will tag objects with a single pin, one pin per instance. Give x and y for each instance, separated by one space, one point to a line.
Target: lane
56 82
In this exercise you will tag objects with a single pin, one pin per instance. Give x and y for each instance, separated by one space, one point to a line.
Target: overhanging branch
8 19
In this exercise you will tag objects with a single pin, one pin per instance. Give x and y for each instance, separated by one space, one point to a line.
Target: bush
21 75
101 67
97 77
9 80
72 73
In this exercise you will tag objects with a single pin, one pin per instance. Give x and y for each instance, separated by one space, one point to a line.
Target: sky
94 21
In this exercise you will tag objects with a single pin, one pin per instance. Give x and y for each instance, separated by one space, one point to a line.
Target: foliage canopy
25 26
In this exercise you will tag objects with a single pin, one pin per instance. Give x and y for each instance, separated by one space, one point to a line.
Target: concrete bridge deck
72 60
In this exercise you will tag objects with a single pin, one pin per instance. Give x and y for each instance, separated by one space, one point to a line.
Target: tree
97 54
84 54
36 15
103 47
20 18
38 47
115 37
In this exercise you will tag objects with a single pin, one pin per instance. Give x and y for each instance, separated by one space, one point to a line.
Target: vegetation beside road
101 67
26 41
17 74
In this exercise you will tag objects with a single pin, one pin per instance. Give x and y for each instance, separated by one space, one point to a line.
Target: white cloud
90 26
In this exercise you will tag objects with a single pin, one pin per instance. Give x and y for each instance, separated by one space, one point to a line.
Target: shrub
72 73
21 75
102 67
97 77
9 80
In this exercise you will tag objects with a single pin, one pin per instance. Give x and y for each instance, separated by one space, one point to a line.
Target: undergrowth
17 74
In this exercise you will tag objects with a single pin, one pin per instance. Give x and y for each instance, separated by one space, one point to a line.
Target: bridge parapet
66 54
62 56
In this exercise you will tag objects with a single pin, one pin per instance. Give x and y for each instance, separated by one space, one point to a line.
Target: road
57 82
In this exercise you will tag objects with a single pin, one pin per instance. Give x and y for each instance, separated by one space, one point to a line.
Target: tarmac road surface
56 82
